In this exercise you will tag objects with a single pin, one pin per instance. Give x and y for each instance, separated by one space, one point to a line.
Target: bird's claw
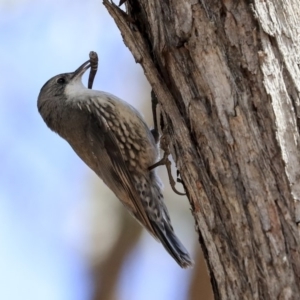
165 161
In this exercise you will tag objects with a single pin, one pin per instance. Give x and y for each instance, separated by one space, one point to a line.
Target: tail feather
172 244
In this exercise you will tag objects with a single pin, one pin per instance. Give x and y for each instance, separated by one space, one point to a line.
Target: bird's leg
164 144
161 162
154 131
94 67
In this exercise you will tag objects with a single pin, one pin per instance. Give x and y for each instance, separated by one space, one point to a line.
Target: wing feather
119 169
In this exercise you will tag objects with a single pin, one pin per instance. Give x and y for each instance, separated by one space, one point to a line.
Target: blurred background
63 234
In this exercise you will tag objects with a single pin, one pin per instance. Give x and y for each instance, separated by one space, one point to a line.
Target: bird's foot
165 161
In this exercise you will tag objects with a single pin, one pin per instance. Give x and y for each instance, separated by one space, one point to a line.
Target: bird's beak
80 71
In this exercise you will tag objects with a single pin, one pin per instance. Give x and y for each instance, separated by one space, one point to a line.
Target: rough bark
227 77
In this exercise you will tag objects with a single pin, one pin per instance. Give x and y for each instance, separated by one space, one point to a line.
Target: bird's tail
172 244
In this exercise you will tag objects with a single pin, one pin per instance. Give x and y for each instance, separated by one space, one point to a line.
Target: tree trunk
226 74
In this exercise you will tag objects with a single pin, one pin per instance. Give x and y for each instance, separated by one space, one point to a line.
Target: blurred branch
200 287
106 273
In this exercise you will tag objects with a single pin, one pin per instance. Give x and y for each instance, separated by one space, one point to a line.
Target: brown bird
112 138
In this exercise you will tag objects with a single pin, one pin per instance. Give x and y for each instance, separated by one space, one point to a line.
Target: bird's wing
120 177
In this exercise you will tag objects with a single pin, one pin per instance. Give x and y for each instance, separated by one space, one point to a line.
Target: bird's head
59 85
57 91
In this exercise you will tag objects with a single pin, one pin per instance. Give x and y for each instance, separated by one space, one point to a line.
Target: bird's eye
61 80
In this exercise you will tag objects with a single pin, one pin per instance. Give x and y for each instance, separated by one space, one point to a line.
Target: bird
113 139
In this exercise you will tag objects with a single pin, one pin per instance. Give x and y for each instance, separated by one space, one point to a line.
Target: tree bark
226 74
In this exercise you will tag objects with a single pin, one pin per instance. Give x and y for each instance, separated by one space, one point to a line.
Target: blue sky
43 185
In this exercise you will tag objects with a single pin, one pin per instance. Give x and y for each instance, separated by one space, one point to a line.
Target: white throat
75 89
